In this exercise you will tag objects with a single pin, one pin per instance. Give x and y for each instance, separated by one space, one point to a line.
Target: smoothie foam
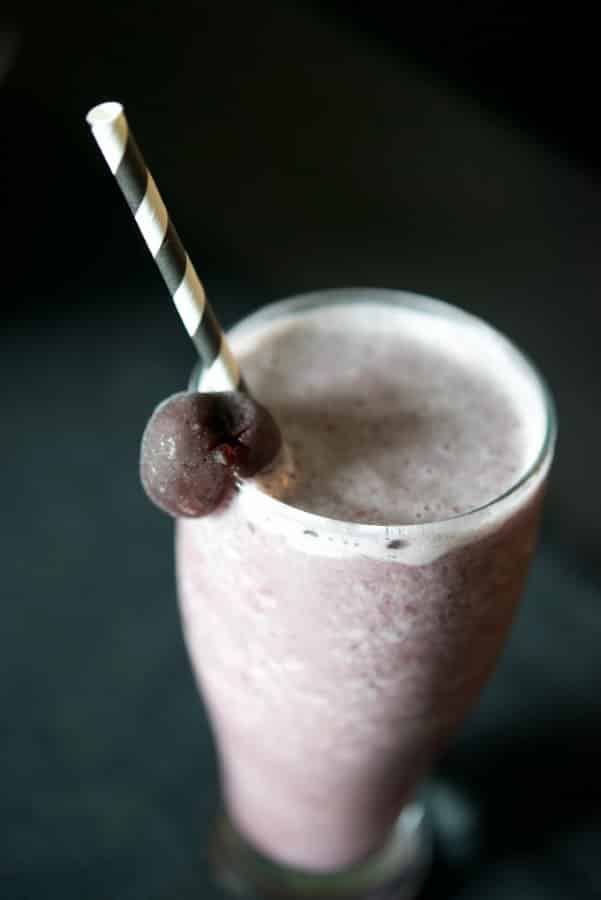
392 416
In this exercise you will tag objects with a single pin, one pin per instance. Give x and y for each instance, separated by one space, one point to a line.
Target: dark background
450 150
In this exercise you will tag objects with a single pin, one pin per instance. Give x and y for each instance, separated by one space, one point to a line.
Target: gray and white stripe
120 150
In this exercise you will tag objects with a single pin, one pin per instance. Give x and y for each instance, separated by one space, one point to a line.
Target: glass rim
422 303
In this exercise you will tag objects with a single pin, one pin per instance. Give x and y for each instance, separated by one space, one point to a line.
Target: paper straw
120 150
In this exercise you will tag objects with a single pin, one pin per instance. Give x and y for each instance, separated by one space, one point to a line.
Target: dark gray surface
293 156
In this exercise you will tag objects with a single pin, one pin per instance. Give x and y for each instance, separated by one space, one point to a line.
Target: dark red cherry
194 444
257 438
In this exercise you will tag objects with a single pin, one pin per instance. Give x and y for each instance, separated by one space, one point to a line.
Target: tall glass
336 659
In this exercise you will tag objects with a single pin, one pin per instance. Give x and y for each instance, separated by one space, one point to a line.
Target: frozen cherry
254 439
194 445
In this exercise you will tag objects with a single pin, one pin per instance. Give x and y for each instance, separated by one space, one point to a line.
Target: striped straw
120 150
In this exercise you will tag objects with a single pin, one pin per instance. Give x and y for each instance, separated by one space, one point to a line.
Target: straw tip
104 113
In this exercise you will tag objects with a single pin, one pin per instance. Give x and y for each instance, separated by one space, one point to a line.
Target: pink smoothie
343 611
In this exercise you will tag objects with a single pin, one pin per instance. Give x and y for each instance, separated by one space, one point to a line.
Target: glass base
396 872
